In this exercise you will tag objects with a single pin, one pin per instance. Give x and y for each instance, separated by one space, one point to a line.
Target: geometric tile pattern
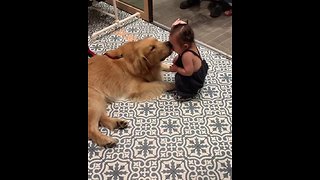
166 139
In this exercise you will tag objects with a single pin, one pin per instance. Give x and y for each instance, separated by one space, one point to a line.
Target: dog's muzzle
168 44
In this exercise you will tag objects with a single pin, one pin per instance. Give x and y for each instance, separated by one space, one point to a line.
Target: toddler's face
175 45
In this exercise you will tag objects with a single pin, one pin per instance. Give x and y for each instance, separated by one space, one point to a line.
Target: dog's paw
165 67
107 142
121 124
111 144
170 86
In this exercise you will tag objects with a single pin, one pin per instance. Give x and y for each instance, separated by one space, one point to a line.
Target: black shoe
216 11
225 6
189 3
89 3
212 5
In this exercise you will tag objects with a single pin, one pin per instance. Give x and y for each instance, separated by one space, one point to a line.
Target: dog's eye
152 48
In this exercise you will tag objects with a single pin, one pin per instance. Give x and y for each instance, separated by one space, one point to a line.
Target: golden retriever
132 71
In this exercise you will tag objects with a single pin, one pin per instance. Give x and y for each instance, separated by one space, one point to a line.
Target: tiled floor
215 32
166 139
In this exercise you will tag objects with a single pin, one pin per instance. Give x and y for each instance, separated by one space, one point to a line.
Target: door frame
146 14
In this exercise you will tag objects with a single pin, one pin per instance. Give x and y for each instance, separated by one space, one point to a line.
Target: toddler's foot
182 98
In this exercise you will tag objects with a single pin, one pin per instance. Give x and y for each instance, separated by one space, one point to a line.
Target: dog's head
149 50
152 50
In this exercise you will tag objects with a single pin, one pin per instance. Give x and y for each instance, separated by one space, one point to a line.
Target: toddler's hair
184 33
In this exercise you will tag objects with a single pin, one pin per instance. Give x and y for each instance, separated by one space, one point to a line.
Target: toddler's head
181 37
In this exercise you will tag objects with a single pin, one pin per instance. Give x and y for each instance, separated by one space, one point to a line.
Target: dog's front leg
165 67
112 123
149 90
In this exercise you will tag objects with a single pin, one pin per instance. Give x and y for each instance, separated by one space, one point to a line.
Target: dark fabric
90 53
188 86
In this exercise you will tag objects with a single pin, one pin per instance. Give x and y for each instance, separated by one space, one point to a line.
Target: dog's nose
168 44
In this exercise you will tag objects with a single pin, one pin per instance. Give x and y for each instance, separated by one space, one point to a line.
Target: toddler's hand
178 21
173 68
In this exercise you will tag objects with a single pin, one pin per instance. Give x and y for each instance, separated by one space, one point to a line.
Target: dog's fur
131 71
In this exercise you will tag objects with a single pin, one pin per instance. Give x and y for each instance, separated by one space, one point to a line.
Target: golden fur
131 71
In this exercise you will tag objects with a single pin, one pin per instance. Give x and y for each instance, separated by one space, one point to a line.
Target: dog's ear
114 54
141 64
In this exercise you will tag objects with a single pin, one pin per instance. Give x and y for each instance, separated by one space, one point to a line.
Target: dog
131 71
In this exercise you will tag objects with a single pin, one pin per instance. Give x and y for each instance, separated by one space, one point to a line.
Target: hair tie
178 21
